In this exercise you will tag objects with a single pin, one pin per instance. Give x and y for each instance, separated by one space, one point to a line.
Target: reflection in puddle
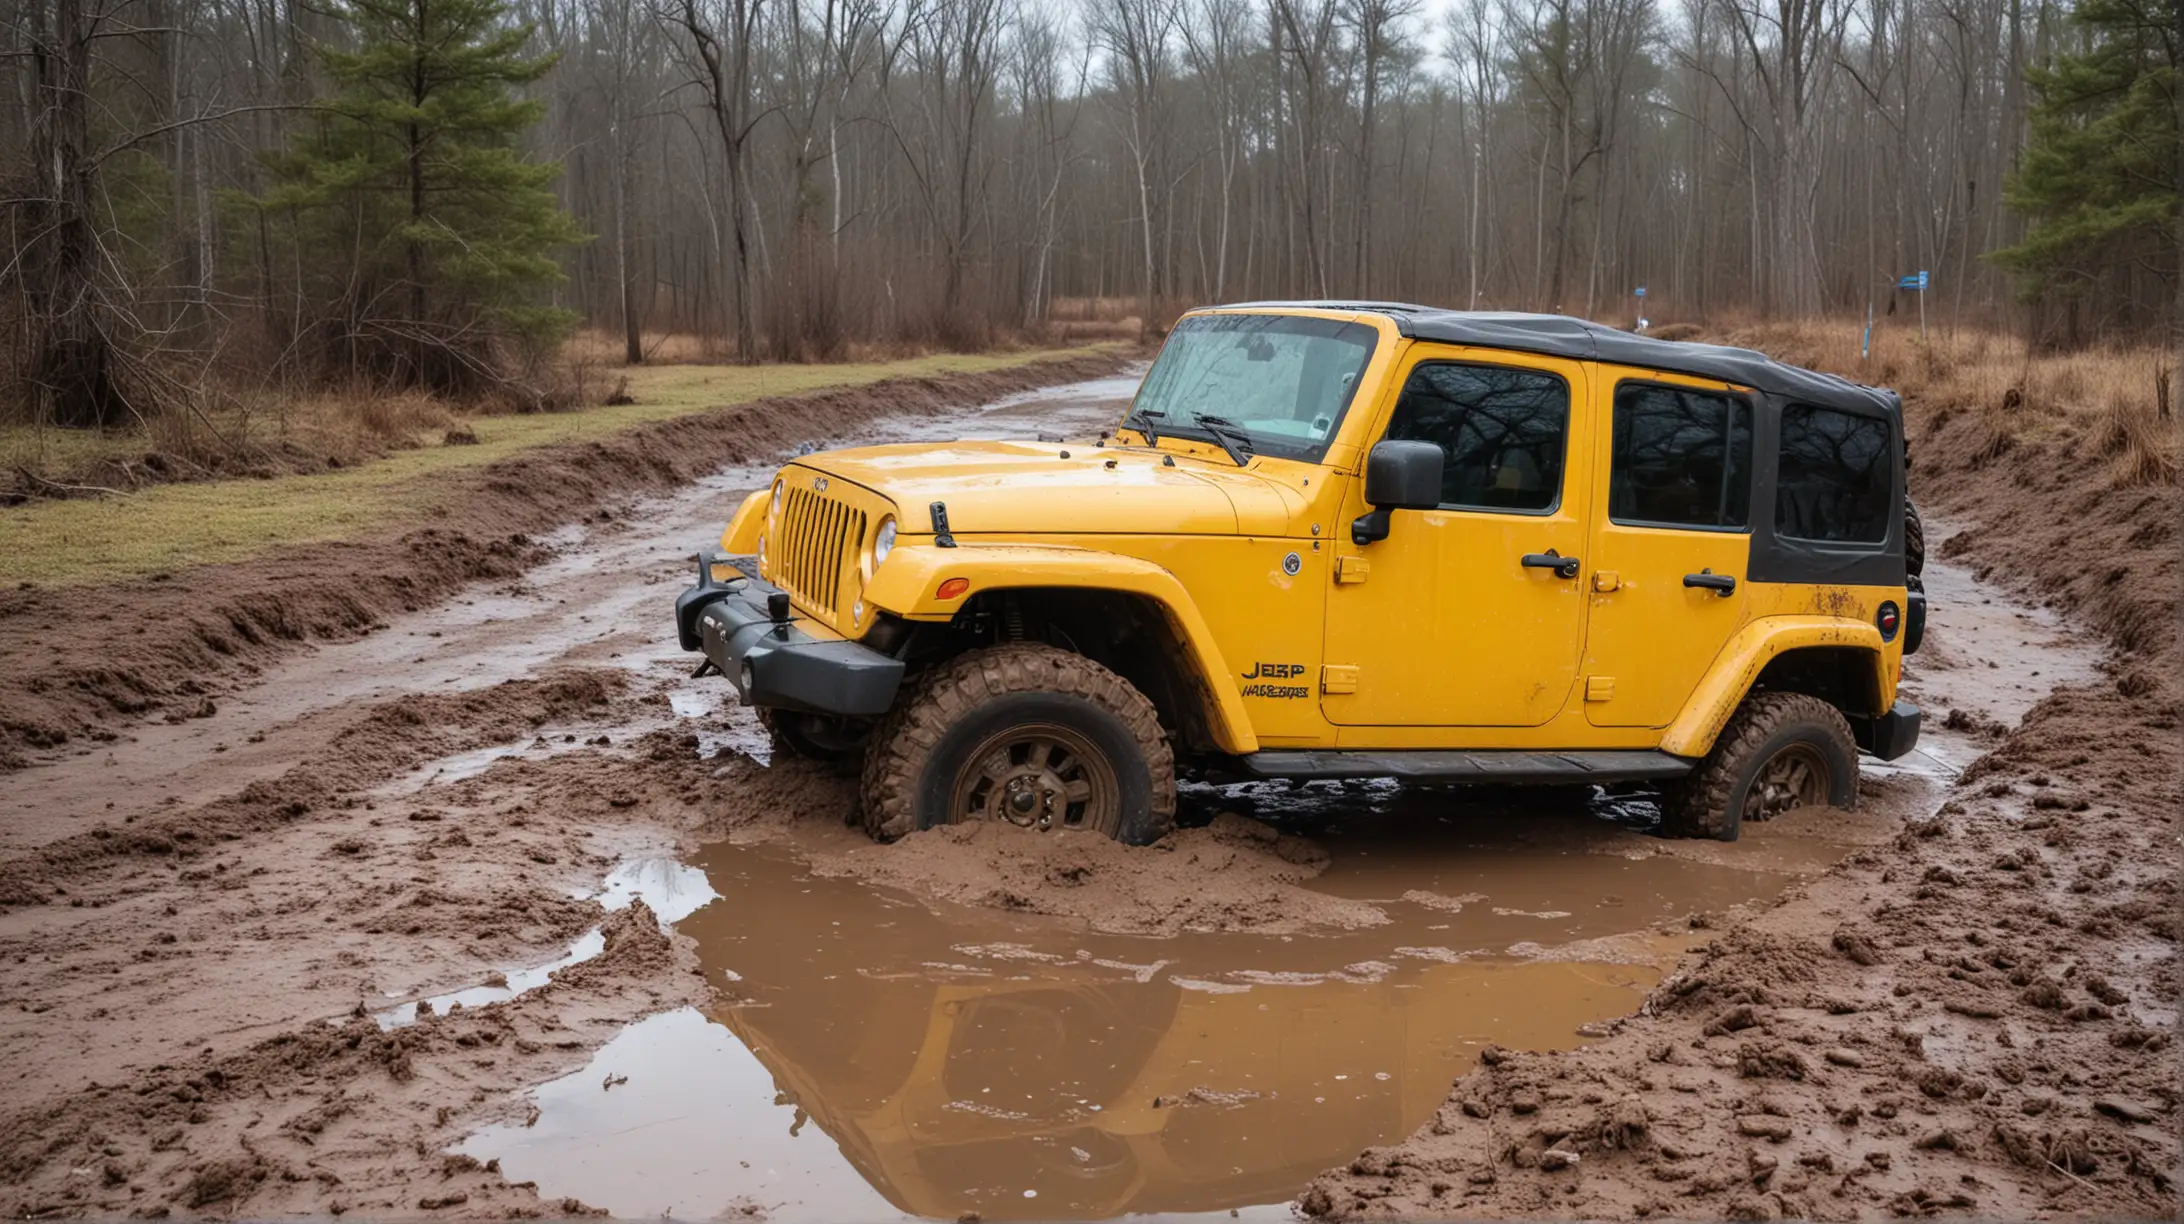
962 1060
697 1130
673 890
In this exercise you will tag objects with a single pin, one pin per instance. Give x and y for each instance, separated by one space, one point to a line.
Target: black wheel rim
1795 776
1038 776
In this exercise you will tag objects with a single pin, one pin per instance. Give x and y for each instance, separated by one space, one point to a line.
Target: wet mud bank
80 665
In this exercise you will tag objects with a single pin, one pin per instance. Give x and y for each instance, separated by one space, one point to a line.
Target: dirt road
493 911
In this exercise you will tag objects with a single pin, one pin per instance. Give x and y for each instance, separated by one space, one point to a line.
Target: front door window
1502 431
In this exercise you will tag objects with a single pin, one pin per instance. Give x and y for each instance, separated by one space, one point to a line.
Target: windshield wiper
1143 420
1231 437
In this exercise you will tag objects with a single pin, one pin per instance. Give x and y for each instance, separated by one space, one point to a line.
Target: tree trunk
71 356
1145 216
633 344
415 254
1797 251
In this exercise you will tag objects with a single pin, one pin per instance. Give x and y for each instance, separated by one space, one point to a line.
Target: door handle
1720 584
1564 567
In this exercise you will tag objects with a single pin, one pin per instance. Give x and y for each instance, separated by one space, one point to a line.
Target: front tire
1780 751
1023 733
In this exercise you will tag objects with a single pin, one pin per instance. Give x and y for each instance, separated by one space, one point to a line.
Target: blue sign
1641 291
1915 281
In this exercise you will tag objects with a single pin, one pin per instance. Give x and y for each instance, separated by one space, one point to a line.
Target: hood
1028 488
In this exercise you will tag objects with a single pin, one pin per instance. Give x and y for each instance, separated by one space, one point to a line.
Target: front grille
817 533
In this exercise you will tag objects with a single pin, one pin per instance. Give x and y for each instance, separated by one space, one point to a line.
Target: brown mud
234 946
79 664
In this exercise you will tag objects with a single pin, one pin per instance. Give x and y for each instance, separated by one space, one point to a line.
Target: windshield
1282 379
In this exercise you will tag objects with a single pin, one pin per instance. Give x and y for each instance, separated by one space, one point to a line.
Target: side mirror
1398 476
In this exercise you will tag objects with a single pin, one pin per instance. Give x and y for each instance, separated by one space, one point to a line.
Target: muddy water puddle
876 1056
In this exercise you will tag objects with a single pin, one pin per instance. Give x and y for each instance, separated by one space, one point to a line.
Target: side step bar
1440 765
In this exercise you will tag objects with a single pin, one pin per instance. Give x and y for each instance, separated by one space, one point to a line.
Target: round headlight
883 540
777 485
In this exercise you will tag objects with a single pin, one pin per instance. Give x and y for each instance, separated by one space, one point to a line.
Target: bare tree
1792 45
720 38
789 176
1135 35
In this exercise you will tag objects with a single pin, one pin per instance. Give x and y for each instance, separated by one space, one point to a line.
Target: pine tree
2099 179
423 232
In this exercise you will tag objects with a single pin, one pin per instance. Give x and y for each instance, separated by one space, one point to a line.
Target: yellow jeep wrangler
1347 540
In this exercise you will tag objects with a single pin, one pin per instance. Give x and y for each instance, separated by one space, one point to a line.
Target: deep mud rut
493 911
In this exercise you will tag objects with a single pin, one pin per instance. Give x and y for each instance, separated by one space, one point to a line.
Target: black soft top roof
1563 336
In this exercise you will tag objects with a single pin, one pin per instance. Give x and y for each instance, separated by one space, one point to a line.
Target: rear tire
1026 733
1780 751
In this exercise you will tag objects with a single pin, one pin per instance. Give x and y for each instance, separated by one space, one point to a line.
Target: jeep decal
1285 692
1263 672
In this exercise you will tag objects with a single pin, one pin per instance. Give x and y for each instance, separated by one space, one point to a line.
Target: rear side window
1683 458
1501 432
1835 476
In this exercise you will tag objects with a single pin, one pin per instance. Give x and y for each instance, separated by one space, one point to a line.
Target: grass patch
175 526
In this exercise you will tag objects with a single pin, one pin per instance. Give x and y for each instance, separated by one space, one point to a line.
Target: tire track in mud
193 1025
78 663
377 743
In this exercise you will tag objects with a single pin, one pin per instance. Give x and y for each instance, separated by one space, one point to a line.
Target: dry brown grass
255 433
2118 395
268 431
1093 309
1092 331
606 347
2142 437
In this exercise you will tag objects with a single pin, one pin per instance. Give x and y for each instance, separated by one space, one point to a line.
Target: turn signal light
953 588
1888 622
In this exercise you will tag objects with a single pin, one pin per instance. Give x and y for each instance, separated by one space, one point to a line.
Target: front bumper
779 664
1889 735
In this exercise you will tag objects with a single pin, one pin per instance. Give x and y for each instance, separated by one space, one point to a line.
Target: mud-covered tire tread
1914 540
907 736
1698 804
